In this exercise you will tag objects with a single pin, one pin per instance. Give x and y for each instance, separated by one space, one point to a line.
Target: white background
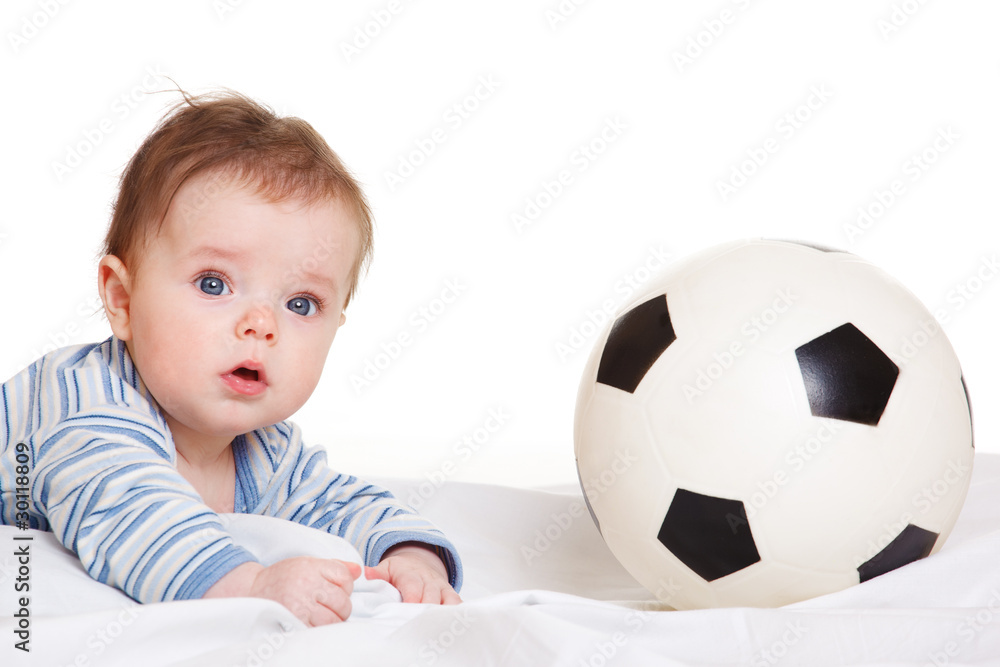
892 75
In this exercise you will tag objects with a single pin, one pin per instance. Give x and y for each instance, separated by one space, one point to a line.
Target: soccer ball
770 422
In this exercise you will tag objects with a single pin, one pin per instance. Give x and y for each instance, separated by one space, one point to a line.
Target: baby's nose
258 323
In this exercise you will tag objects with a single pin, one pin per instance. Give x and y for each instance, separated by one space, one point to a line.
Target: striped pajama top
86 453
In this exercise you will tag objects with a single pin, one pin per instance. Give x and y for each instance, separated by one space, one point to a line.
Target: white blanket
541 589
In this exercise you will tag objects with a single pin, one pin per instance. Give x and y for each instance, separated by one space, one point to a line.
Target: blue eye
300 305
213 285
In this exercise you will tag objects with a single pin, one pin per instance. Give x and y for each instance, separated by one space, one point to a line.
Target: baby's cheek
171 379
305 385
168 395
306 378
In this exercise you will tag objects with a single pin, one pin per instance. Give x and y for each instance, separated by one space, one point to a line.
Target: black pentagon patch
847 376
910 545
636 341
710 535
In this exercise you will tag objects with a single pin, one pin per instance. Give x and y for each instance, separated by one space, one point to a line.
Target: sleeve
112 496
304 489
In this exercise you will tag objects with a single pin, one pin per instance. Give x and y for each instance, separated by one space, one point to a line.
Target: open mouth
249 380
246 374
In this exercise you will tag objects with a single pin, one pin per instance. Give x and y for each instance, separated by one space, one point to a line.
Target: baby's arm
316 590
299 486
138 525
111 495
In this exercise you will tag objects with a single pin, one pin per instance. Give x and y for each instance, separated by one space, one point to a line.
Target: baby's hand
417 573
316 590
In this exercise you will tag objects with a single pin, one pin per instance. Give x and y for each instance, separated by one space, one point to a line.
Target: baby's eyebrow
214 252
319 279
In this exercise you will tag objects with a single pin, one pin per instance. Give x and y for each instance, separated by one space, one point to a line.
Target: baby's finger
440 593
449 596
432 593
377 573
341 573
316 613
411 588
321 615
332 604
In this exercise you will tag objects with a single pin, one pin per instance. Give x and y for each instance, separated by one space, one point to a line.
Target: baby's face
235 305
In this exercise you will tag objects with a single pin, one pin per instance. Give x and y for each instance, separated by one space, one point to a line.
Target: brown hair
226 132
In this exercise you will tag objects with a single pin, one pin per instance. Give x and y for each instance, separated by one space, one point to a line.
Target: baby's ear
343 318
114 284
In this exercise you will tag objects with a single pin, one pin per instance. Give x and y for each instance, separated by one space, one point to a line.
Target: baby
235 245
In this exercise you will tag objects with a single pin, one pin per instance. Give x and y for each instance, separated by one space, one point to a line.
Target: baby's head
233 137
236 242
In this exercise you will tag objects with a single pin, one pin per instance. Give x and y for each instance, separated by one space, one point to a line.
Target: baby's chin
234 429
222 427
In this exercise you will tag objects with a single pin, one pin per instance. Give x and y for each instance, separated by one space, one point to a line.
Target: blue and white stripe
104 481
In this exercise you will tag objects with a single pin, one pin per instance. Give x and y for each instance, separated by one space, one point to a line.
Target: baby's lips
247 379
250 370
